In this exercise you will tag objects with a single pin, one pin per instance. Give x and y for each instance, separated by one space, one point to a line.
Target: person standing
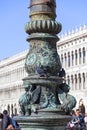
79 119
6 120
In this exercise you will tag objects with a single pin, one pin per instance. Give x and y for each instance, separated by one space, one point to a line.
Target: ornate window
83 75
79 77
84 54
68 59
75 82
80 56
65 60
62 58
76 56
72 56
72 81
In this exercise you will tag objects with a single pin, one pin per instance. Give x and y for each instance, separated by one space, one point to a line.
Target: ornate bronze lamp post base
55 121
46 101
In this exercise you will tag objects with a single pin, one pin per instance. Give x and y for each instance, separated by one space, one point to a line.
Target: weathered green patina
44 87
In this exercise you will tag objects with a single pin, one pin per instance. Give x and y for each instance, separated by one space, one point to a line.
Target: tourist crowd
79 120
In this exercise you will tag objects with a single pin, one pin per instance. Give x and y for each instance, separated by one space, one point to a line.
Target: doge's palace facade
12 72
72 49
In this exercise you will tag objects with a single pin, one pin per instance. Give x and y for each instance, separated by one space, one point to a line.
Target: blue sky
14 14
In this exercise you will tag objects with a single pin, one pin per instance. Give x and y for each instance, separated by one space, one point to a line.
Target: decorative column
40 105
42 30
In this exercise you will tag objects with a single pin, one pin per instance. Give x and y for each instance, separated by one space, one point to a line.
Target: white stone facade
12 72
72 49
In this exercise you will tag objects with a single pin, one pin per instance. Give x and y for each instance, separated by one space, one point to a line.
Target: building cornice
16 58
72 36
